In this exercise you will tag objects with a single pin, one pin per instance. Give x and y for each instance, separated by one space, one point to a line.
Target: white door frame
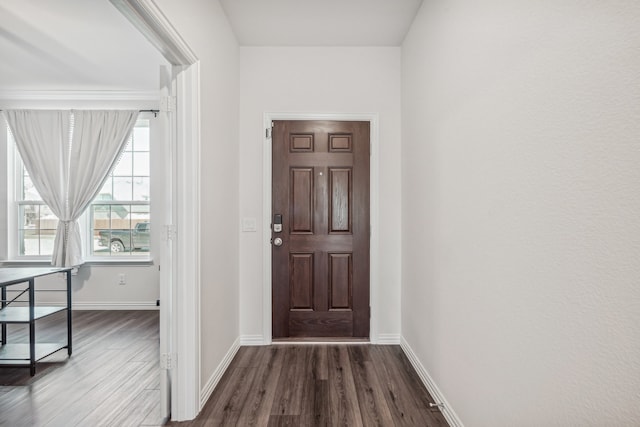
374 190
185 387
181 307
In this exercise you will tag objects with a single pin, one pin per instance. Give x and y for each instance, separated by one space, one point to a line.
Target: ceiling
321 22
80 45
73 45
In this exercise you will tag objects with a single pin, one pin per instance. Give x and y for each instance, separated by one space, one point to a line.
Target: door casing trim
374 188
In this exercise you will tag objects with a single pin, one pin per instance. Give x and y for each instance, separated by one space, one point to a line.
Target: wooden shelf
18 354
21 314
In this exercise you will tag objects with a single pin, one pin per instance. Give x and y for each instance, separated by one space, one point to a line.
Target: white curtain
68 163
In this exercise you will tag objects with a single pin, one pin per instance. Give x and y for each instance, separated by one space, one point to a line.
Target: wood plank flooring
112 378
319 385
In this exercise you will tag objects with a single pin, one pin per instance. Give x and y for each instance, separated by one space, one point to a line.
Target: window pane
29 191
129 145
120 233
141 164
47 218
124 167
120 216
140 216
107 190
100 221
120 229
122 188
141 138
37 230
141 190
29 216
29 233
140 213
101 216
111 230
28 242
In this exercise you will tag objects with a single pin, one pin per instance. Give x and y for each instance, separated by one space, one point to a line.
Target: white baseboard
206 391
388 339
448 412
252 340
138 305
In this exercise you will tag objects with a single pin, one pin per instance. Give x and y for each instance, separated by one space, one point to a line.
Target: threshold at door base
320 340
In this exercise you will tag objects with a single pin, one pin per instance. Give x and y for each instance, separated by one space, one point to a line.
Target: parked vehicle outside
126 240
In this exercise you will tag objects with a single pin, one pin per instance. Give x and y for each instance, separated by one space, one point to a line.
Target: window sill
88 261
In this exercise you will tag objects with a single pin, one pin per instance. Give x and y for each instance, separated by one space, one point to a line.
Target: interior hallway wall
521 209
319 80
206 30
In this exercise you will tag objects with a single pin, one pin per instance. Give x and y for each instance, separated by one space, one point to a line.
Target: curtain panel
69 155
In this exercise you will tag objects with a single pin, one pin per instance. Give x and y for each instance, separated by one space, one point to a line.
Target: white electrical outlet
122 279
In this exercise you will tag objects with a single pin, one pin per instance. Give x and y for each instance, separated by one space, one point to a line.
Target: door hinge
168 103
268 131
168 360
170 232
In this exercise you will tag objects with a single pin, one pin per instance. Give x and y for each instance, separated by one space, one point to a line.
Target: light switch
249 225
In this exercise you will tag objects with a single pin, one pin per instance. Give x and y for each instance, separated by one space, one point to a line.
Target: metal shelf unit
21 354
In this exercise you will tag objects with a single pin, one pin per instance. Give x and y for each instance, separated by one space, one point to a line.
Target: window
117 222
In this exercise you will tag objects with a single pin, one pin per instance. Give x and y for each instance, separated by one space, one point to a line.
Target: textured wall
521 209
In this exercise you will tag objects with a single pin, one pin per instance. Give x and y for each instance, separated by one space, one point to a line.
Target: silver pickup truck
126 240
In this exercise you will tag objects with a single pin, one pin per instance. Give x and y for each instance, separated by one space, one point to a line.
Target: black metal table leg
69 312
3 296
32 326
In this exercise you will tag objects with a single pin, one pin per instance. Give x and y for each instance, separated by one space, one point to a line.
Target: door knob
277 241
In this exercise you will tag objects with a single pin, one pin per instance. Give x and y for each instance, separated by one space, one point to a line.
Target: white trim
186 337
6 183
388 339
213 381
374 189
448 412
137 305
147 17
252 340
46 261
80 95
163 172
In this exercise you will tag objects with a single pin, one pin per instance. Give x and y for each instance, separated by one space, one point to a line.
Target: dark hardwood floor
319 385
112 378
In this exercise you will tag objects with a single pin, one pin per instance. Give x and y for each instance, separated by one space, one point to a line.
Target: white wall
521 207
96 287
206 30
319 80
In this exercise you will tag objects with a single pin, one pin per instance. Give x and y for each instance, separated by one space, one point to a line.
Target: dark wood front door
320 271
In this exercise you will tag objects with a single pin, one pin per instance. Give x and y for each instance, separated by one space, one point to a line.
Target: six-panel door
320 272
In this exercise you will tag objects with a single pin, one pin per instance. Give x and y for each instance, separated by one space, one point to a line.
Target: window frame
14 202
